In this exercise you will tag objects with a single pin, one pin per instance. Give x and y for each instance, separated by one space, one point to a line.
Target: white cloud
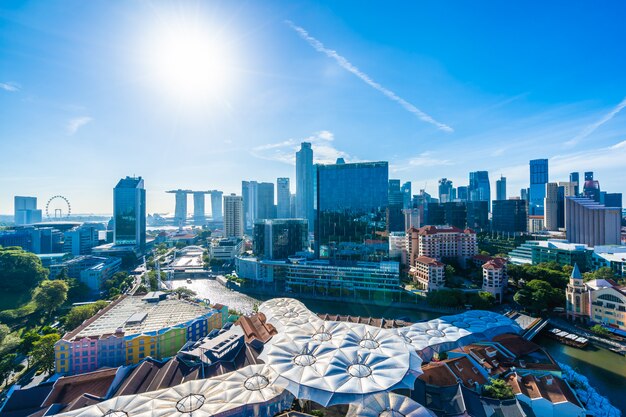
76 123
592 127
619 145
321 142
426 159
348 66
10 86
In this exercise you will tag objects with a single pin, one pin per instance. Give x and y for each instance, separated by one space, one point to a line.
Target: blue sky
436 88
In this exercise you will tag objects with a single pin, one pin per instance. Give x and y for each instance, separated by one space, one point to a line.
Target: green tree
481 300
27 343
43 352
539 295
184 292
79 314
7 365
446 298
4 332
498 389
599 330
50 295
20 271
604 273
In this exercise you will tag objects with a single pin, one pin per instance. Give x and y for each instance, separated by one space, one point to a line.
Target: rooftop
551 388
133 315
428 261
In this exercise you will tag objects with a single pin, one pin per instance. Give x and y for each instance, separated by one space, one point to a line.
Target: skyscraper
479 187
216 205
445 190
501 188
352 201
395 218
199 214
538 181
574 178
265 201
551 207
279 238
406 195
233 216
462 193
509 216
129 213
591 189
304 184
283 196
25 211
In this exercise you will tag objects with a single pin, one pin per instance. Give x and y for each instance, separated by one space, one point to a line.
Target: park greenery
79 314
599 330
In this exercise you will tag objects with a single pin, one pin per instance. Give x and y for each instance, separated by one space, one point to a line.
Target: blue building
479 188
352 202
538 181
129 213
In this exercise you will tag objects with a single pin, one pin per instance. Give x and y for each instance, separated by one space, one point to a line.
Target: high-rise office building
591 223
538 181
591 189
25 211
305 178
280 238
245 195
462 193
551 207
445 190
352 201
478 215
509 216
479 187
406 195
395 218
292 206
501 188
233 216
266 209
283 197
574 178
524 194
129 213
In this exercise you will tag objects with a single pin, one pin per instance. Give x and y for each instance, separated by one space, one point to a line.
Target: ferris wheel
58 207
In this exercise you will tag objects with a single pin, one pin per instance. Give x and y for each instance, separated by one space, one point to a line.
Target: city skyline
431 98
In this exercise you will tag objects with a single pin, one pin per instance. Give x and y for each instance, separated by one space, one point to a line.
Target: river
605 370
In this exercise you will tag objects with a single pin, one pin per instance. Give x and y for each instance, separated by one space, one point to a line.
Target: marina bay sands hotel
199 214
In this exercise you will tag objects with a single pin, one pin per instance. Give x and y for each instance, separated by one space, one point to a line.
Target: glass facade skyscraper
129 212
283 197
305 177
280 238
479 188
501 188
352 202
538 181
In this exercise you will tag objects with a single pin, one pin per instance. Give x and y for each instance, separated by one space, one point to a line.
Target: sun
189 60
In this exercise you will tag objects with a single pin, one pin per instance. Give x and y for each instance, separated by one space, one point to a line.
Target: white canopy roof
388 405
234 392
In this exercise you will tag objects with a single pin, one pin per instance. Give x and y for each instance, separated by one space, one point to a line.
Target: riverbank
618 347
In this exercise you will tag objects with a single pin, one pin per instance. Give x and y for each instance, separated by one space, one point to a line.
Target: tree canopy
20 271
498 389
43 351
79 314
538 295
51 295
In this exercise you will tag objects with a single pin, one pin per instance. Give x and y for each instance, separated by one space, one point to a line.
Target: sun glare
188 61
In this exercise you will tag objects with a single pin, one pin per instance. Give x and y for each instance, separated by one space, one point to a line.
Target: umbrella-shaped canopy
246 388
388 405
339 363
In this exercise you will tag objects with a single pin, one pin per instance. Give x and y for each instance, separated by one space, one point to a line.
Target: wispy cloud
10 86
592 127
426 159
348 66
76 123
323 150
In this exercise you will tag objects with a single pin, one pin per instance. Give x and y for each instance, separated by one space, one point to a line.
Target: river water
605 370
